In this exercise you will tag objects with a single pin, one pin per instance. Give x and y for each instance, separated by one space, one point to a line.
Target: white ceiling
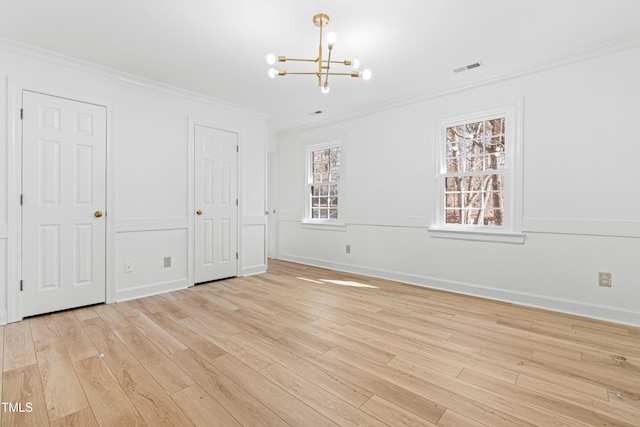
218 48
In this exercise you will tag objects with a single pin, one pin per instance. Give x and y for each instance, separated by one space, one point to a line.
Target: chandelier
323 70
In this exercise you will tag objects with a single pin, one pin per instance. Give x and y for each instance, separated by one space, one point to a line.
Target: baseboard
594 311
150 290
3 317
256 269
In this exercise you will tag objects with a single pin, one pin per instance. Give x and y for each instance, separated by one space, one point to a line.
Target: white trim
4 229
15 88
390 221
254 269
132 79
511 232
476 235
594 311
324 225
150 290
585 227
308 182
596 51
151 224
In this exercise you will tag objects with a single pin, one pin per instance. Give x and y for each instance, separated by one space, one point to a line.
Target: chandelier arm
301 59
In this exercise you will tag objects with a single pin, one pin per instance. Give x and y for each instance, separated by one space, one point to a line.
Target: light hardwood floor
289 347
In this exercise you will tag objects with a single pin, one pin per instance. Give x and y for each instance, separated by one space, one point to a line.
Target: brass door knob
97 214
199 212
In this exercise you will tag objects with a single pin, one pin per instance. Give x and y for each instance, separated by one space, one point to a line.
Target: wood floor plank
391 414
163 369
116 354
322 401
341 387
155 333
202 409
245 408
22 389
76 341
43 327
285 405
109 402
229 344
151 402
82 418
18 346
62 390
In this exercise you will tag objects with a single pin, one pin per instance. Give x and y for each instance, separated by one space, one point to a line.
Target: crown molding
592 52
76 64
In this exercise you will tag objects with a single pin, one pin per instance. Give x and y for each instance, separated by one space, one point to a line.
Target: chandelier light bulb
325 88
271 59
355 64
273 73
366 74
331 38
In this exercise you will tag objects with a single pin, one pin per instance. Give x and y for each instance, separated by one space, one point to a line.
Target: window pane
324 167
454 200
453 183
453 216
455 164
495 126
494 217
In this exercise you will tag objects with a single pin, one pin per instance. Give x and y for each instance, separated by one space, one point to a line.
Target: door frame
15 88
192 121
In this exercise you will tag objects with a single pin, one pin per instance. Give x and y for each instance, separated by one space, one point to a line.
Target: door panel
216 192
63 186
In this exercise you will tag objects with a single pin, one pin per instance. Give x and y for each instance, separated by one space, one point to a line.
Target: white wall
581 204
149 203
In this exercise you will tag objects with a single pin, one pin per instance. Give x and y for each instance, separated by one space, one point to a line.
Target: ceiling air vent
467 67
315 113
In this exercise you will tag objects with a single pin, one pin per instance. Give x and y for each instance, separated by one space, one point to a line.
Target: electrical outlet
128 267
348 249
167 261
604 279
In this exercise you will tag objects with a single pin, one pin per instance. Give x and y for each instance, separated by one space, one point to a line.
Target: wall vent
467 67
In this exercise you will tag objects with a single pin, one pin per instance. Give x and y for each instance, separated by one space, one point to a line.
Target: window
474 179
323 183
479 180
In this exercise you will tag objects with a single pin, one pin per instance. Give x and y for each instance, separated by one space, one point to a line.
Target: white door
63 188
216 204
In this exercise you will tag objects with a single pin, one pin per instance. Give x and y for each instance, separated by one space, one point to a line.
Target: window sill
324 225
477 236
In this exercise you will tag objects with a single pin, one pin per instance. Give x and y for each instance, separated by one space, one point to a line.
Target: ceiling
218 48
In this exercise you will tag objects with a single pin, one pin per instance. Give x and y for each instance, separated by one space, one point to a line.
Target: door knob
98 214
199 212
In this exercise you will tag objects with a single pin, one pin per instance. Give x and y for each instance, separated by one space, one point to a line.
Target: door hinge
21 200
236 255
22 114
237 148
20 285
236 202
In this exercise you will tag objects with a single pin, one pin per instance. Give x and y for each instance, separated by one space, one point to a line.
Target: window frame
323 223
511 230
